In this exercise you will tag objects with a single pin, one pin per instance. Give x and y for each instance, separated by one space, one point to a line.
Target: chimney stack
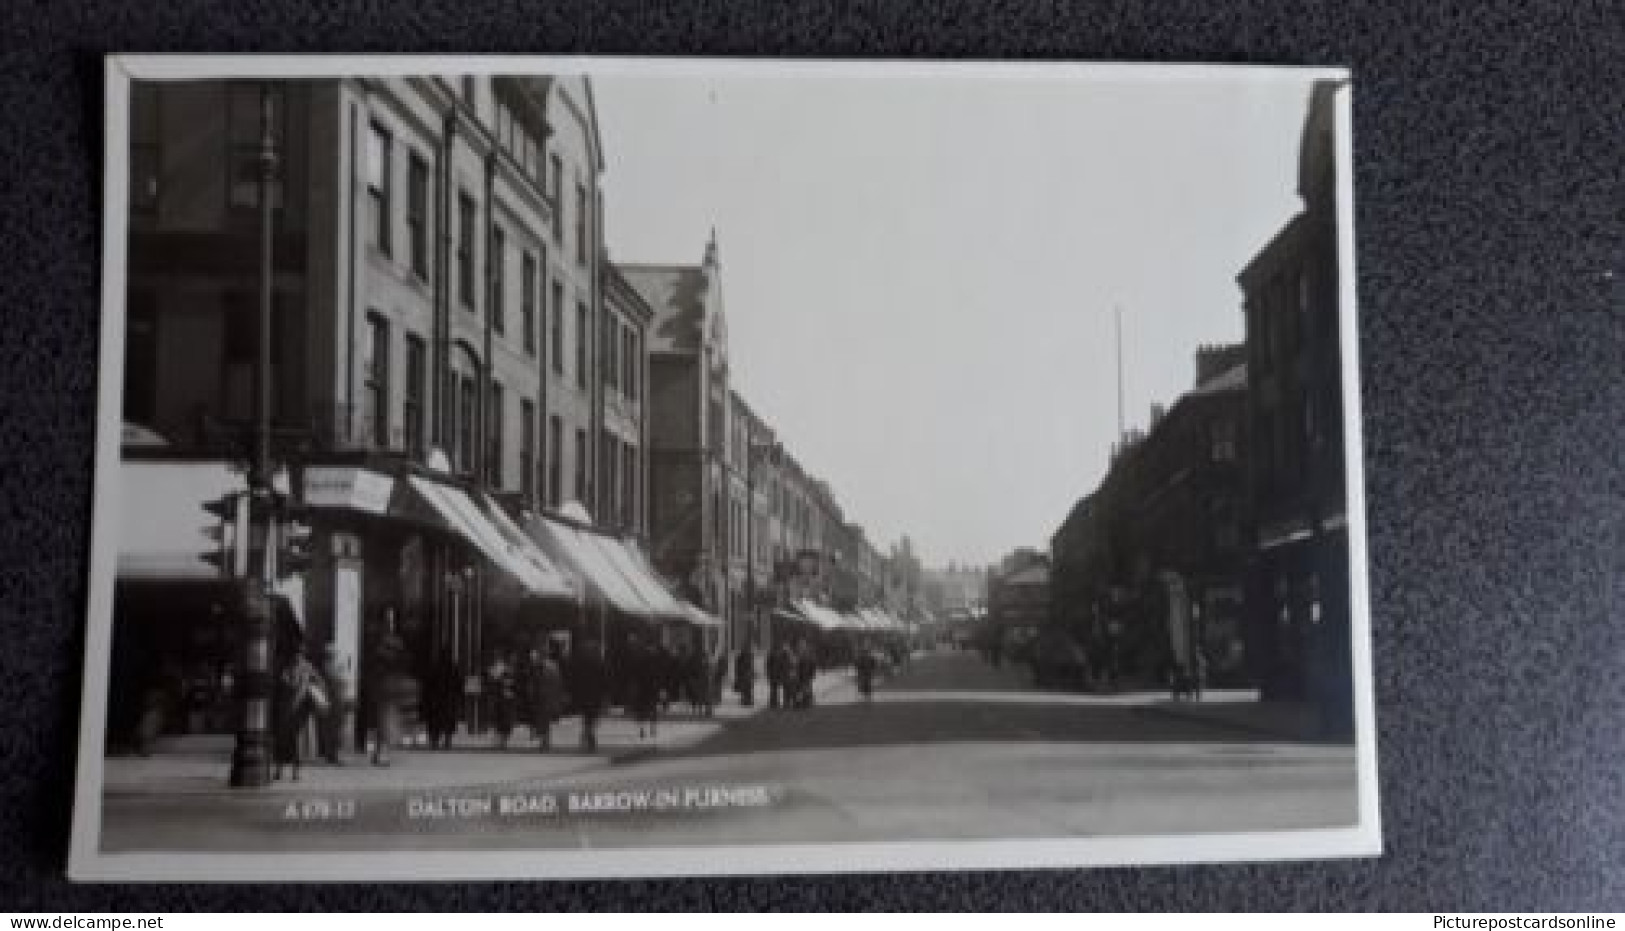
1216 359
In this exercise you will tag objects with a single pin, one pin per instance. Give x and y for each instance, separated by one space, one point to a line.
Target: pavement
199 764
1293 721
947 748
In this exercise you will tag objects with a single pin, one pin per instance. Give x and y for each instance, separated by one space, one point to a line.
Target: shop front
416 556
176 656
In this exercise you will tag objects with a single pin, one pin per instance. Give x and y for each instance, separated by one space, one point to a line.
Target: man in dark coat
546 695
745 676
587 679
779 663
387 688
442 690
806 669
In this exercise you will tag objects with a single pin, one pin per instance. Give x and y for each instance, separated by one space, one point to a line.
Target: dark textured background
1490 156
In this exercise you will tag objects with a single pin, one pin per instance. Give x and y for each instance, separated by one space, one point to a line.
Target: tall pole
250 759
1118 311
750 539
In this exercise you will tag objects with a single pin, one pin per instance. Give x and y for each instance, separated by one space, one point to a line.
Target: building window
465 425
629 487
556 338
499 277
582 334
378 187
606 351
417 214
377 381
581 224
527 450
632 364
609 456
555 172
527 156
416 380
145 127
447 408
504 126
244 143
581 466
493 438
527 301
1224 440
555 452
465 249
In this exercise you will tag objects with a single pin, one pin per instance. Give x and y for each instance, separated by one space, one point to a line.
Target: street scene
457 509
1026 763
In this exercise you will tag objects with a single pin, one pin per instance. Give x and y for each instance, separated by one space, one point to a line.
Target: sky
921 273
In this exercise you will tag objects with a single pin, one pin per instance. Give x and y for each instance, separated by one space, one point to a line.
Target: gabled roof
677 295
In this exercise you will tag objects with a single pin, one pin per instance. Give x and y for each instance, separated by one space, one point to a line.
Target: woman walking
646 670
502 698
299 695
745 676
386 688
547 695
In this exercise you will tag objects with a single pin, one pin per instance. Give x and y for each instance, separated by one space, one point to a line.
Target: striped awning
512 553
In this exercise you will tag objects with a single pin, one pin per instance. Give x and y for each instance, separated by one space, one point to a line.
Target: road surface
949 748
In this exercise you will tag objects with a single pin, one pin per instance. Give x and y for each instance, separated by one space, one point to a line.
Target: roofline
660 266
1267 254
617 285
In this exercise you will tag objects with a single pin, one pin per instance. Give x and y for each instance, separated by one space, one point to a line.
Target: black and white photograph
603 467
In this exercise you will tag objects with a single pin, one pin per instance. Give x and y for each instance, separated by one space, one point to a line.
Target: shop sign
344 487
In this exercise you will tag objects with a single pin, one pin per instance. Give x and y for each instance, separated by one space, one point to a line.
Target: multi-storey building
624 440
1298 589
753 463
688 414
1148 568
436 296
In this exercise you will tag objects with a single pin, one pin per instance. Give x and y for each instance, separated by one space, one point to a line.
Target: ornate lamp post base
251 758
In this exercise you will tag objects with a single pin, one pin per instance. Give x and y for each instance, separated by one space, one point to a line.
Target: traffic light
229 534
295 544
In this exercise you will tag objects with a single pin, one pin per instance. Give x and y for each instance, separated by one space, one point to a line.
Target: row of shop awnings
863 620
490 530
163 533
555 558
613 571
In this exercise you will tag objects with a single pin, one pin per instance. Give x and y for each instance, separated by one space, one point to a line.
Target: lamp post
774 452
250 758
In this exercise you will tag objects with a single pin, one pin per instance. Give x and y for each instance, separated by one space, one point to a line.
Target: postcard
593 467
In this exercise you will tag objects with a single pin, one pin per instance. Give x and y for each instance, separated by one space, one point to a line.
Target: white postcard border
87 862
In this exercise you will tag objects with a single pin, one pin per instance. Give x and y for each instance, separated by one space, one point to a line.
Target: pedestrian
547 696
806 669
586 679
668 672
442 687
699 680
745 676
330 731
864 666
719 673
501 692
387 688
779 662
298 696
644 672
